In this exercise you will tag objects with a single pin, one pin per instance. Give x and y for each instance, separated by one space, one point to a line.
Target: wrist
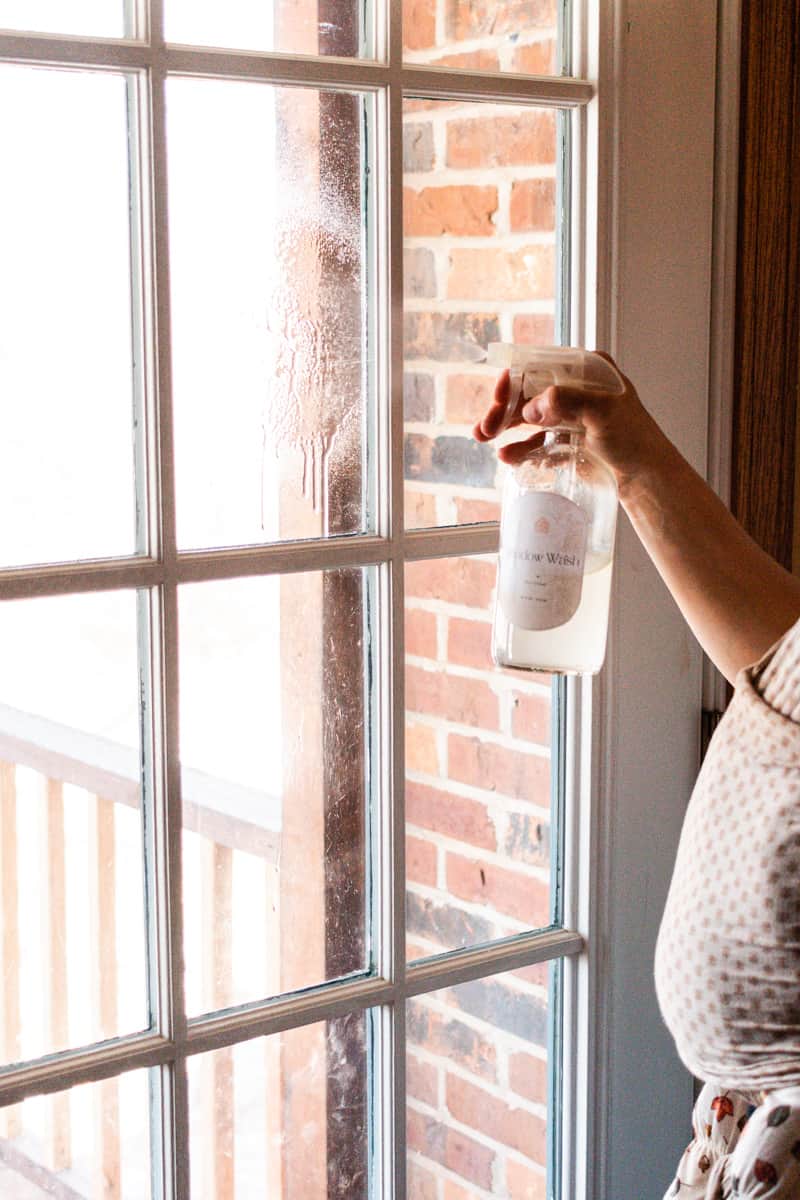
636 450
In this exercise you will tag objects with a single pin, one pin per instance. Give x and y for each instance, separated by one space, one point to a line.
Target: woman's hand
618 427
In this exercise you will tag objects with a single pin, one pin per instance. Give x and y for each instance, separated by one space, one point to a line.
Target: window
294 885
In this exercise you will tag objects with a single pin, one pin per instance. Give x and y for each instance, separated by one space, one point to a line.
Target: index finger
496 417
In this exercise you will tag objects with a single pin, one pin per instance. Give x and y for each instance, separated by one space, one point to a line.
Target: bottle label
541 560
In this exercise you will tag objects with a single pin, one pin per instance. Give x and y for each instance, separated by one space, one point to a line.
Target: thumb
553 405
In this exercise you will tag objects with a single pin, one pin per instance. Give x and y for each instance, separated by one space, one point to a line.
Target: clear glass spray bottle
557 528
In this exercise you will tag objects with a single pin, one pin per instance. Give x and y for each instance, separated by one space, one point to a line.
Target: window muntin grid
162 574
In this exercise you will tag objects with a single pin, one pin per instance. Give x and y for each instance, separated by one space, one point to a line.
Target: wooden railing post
218 1117
10 1120
102 883
54 940
273 1151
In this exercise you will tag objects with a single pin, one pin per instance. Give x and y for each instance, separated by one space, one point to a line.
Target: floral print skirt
741 1151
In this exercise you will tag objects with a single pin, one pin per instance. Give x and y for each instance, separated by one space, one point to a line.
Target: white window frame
618 853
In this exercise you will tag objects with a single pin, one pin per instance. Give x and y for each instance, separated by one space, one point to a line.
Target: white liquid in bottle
556 556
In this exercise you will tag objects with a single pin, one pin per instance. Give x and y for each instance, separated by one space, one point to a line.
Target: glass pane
480 266
317 27
283 1116
483 35
73 947
274 737
66 367
268 216
95 18
91 1141
479 1062
478 853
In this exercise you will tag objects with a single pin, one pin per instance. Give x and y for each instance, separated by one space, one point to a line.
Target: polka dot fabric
728 951
738 1153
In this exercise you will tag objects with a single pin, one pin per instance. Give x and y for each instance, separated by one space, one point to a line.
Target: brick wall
480 243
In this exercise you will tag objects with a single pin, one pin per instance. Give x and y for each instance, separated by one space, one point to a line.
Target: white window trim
669 113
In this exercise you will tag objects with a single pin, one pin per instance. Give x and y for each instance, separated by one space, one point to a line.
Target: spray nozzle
534 368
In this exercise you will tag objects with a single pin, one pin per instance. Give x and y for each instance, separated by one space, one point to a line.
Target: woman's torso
728 952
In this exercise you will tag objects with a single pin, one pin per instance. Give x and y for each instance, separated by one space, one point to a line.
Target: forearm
736 599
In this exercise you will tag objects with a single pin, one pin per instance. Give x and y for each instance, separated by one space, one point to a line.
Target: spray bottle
557 526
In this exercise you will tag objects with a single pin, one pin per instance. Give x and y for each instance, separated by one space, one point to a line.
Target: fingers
516 452
556 404
492 420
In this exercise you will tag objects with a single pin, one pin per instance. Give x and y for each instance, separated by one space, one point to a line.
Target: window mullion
172 1172
394 1023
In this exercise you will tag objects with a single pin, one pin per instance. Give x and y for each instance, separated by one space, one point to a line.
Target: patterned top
728 951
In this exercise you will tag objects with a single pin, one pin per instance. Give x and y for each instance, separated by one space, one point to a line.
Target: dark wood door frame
767 340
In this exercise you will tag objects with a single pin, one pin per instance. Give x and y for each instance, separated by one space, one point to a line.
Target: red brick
537 58
452 1191
448 337
527 840
469 642
422 1184
478 20
423 1080
466 581
419 152
419 396
457 211
496 768
471 512
420 509
533 204
451 1149
513 1127
419 273
528 1076
525 1183
420 632
452 697
453 816
414 106
531 718
537 974
467 398
510 892
452 1040
449 459
419 24
420 861
422 753
475 60
525 274
528 139
536 329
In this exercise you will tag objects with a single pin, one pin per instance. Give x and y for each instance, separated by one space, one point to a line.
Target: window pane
71 823
274 735
483 35
478 775
285 1115
271 382
91 1141
479 1063
314 28
480 265
66 368
95 18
